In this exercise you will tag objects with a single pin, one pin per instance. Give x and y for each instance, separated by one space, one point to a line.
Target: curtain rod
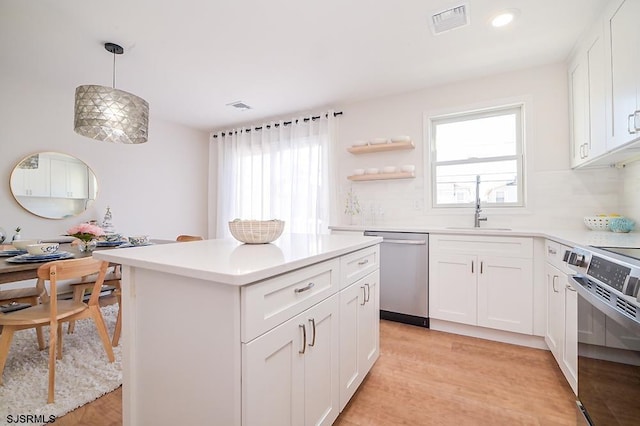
268 126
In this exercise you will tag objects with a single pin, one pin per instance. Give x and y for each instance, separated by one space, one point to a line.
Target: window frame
431 120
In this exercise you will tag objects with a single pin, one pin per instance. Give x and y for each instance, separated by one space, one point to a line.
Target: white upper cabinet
587 99
622 34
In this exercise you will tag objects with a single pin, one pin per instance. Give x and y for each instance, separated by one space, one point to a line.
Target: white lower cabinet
290 374
359 333
485 281
562 322
309 337
561 332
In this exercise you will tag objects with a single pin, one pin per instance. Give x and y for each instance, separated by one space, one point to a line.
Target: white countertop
231 262
568 237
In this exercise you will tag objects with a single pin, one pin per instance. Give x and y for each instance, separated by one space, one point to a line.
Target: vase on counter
87 246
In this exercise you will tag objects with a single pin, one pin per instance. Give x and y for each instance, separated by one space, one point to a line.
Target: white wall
557 197
158 188
630 203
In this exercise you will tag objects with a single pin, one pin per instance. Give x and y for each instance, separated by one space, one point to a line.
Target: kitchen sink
472 228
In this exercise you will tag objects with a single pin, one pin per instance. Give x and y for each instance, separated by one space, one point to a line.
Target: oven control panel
610 273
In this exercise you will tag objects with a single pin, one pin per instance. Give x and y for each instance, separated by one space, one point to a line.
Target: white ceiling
189 58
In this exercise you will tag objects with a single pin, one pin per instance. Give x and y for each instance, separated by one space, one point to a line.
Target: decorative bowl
371 171
22 244
389 169
597 223
44 248
409 168
378 141
621 224
360 143
400 139
139 240
256 231
358 171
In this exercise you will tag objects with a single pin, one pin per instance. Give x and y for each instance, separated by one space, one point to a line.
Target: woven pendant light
108 114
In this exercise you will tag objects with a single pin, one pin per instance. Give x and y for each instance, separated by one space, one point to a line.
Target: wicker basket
256 231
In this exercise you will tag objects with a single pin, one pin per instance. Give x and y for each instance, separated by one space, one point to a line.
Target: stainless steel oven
607 282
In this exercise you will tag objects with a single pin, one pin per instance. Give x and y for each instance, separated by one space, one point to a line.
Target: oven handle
608 310
408 242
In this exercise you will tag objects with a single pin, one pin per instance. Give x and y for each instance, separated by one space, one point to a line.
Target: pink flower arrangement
85 231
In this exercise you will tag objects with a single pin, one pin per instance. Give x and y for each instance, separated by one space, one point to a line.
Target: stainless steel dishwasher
404 278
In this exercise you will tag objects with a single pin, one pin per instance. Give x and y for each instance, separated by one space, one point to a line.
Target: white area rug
82 375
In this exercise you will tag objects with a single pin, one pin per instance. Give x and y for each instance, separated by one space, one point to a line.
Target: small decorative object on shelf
16 236
3 235
87 234
352 206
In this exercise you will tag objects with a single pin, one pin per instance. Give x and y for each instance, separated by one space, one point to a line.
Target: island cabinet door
359 333
322 392
290 373
273 377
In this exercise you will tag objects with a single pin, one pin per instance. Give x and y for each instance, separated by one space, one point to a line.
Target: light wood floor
426 377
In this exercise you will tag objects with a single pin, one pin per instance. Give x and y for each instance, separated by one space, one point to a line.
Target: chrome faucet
477 218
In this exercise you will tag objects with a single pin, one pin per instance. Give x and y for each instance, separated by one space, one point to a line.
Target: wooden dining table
12 272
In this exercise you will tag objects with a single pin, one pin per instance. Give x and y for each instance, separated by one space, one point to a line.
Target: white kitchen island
222 333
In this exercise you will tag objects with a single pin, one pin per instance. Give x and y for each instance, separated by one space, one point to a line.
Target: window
485 143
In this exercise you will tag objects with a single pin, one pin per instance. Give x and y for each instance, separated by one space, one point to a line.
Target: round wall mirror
53 185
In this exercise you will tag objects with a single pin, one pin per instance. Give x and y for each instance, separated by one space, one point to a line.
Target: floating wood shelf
382 176
392 146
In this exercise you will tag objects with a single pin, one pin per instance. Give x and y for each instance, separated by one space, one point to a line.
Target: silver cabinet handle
551 251
368 293
481 267
553 283
364 296
363 262
571 288
313 327
305 288
632 132
304 338
472 271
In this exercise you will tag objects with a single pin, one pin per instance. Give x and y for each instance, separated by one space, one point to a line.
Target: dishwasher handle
408 242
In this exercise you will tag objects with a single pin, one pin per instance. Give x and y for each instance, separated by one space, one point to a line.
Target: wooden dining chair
54 312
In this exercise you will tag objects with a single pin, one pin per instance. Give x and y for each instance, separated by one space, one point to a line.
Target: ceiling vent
240 105
450 19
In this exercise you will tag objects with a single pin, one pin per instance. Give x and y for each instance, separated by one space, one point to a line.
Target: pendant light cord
114 70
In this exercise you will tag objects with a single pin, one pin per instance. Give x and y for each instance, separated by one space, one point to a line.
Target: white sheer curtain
281 171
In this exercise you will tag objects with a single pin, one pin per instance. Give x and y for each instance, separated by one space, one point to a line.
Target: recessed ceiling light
504 18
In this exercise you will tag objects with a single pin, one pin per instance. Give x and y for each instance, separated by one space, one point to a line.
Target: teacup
139 240
22 244
112 237
44 248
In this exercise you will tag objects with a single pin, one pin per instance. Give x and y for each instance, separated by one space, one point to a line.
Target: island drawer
268 303
356 265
